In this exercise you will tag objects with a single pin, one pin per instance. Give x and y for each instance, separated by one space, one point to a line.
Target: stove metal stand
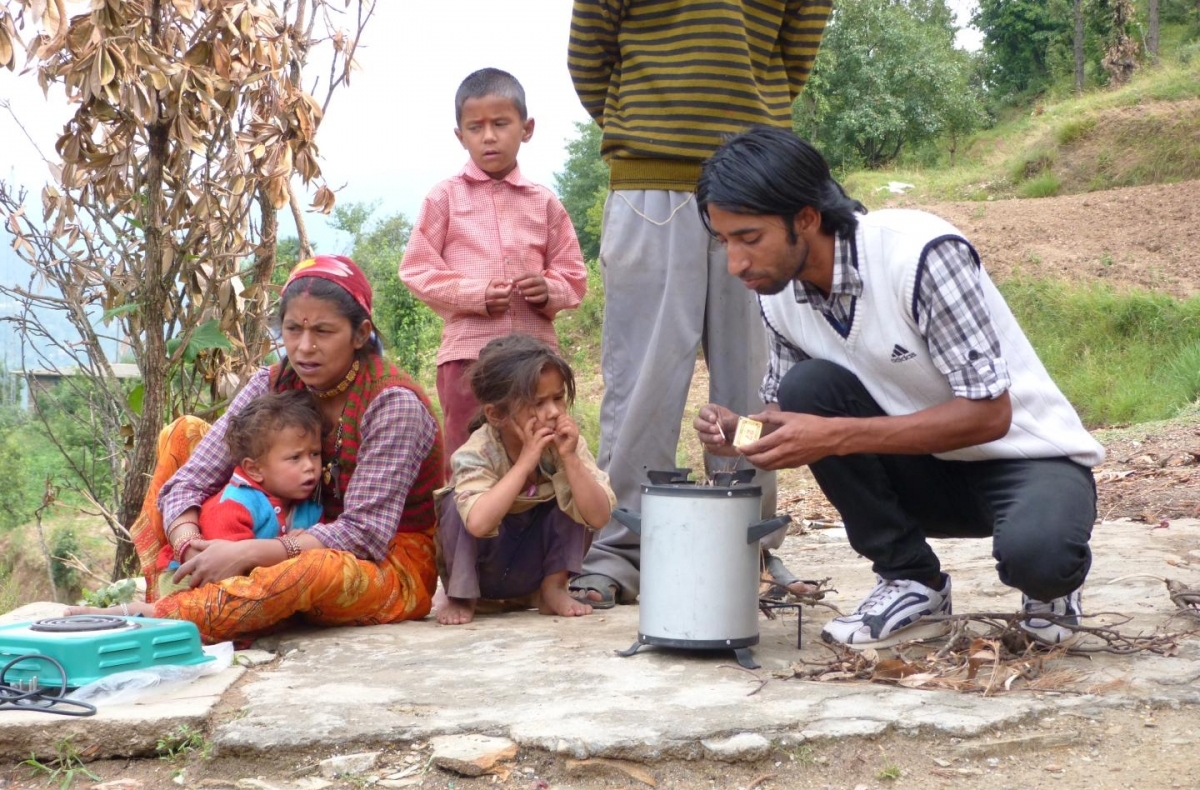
740 647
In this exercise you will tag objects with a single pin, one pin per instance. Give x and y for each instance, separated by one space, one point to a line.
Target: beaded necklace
331 473
342 386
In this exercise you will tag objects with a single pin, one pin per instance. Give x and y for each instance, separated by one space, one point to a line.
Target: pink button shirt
472 229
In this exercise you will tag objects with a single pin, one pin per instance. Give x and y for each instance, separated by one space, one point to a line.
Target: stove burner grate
79 623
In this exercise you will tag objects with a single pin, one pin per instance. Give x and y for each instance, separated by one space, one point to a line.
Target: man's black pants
1038 512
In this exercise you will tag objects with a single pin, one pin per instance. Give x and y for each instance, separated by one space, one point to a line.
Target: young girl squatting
525 493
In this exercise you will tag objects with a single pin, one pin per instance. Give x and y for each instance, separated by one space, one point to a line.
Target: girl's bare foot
133 609
554 598
453 611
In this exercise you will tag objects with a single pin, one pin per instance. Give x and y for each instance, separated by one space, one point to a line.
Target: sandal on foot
604 586
780 579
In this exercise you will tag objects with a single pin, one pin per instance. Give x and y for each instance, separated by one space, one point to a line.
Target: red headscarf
337 269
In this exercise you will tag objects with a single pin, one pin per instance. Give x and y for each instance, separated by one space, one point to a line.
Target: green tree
1022 41
408 327
15 502
887 78
287 255
582 184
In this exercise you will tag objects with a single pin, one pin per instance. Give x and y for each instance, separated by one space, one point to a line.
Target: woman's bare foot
554 598
132 609
453 611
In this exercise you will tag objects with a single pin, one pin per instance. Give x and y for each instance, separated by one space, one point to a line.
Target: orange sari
325 587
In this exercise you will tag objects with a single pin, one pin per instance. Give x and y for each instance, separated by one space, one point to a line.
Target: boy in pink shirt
492 253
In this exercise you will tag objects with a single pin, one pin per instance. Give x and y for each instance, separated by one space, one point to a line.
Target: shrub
1045 185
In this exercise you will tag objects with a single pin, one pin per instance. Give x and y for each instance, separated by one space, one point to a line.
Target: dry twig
1002 660
761 681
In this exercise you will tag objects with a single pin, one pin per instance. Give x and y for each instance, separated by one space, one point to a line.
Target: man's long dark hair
770 171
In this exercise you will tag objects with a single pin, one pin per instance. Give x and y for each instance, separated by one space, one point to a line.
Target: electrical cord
37 698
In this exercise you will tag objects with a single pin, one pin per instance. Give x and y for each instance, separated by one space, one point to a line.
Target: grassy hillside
1146 132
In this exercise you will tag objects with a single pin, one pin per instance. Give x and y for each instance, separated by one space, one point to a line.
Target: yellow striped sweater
669 80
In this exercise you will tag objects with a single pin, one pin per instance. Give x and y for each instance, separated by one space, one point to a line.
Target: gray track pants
666 293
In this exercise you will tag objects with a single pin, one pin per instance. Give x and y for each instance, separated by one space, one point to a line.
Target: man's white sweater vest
891 358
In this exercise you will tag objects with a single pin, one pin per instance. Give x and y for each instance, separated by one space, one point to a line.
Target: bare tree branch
189 125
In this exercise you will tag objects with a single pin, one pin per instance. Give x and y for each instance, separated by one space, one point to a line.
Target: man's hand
790 441
715 426
497 296
533 289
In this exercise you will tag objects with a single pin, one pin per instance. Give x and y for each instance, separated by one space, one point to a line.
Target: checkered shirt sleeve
954 319
781 356
208 468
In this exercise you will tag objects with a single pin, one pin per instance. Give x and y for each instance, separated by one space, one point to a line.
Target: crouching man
900 377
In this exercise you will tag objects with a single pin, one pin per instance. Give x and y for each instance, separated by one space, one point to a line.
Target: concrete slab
119 730
556 684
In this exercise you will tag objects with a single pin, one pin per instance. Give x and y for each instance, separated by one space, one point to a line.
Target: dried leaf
185 8
52 19
919 679
895 668
632 770
324 200
838 676
198 55
108 70
6 48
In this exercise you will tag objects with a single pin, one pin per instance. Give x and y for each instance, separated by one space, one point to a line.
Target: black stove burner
79 622
664 477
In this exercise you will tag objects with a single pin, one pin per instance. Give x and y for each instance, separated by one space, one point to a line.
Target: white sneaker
891 614
1066 611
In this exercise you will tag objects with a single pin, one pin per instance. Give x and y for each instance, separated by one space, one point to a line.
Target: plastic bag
123 687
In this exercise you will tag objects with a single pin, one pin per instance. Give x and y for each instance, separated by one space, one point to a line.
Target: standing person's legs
654 287
458 405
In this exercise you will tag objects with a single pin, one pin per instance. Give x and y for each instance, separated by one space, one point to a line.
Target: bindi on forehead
315 322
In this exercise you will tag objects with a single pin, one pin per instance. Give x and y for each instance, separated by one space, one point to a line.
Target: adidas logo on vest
901 354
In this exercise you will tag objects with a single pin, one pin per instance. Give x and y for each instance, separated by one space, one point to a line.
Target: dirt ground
1087 749
1144 237
1140 237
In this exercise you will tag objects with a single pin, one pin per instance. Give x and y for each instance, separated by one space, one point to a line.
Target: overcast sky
389 136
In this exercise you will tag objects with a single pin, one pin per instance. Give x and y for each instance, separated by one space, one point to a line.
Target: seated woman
371 559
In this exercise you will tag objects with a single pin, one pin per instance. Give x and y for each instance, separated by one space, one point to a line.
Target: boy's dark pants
531 546
1038 512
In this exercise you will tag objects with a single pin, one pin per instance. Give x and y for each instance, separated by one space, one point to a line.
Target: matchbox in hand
748 432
